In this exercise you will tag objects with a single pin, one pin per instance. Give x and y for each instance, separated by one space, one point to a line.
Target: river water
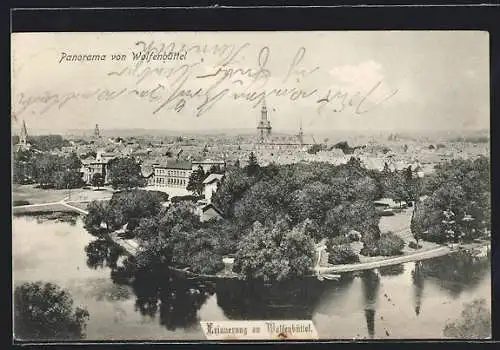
412 300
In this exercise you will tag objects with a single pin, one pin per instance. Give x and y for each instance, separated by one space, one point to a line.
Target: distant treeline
471 139
44 142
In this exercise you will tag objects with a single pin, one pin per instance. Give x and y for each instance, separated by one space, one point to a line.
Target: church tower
300 136
97 133
23 136
264 125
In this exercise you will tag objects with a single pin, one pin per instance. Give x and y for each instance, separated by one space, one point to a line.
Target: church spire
96 131
23 137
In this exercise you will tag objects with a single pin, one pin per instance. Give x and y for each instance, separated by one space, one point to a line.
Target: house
173 173
101 164
210 185
208 212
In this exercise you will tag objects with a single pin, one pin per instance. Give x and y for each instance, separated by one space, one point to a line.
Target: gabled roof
212 177
175 164
209 161
211 206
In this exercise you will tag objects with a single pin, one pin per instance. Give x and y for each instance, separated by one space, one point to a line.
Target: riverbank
388 261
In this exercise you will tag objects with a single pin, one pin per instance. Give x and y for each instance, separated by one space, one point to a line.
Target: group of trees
273 215
312 200
44 311
401 185
49 170
44 143
336 199
22 167
195 183
458 207
125 208
125 173
474 322
275 251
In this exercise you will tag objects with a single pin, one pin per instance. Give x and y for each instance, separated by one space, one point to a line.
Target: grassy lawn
42 209
37 195
89 195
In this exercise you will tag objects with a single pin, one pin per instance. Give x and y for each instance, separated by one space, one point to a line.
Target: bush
369 249
414 245
390 244
342 254
338 240
190 198
20 202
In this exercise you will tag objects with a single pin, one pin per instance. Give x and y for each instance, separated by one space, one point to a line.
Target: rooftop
212 177
175 164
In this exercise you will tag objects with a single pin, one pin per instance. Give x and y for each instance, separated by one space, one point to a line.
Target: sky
326 81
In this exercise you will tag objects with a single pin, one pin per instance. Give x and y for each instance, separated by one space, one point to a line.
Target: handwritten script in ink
195 78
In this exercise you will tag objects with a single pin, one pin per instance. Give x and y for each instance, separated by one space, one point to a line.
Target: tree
461 187
342 254
195 183
48 142
167 237
22 166
51 170
474 322
390 244
129 207
97 214
125 173
237 163
215 169
275 252
252 167
97 180
44 311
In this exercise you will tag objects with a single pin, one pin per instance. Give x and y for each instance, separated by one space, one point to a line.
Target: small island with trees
274 217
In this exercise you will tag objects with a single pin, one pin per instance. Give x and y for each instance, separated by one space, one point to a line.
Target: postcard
251 185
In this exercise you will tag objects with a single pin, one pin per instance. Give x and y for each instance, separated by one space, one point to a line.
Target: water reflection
370 285
157 291
102 253
392 270
177 301
418 286
247 300
456 273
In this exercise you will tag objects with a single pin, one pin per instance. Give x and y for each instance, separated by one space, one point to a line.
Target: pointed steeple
23 136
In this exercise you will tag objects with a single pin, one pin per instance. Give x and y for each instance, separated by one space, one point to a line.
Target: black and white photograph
235 185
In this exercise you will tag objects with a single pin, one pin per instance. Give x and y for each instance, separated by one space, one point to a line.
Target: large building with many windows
99 164
172 173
